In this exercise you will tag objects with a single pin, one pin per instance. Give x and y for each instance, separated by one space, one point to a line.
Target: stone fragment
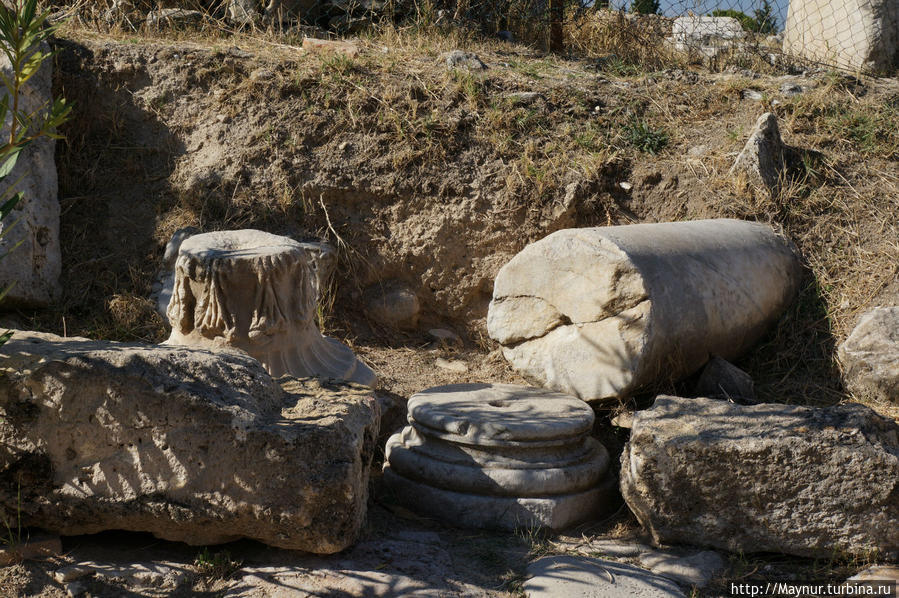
173 17
556 576
38 546
34 265
789 89
457 59
870 356
393 304
187 444
762 158
256 291
700 30
165 281
242 12
72 572
451 365
330 46
525 98
765 478
721 379
752 94
499 456
851 34
602 312
693 570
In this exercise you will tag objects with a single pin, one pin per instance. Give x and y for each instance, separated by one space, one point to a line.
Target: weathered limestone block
35 265
499 456
701 30
762 158
602 312
854 34
187 444
765 478
870 356
255 291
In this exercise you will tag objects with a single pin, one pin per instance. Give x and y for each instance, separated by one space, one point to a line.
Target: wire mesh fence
853 35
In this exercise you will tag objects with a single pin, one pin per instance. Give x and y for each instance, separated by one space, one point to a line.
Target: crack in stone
564 320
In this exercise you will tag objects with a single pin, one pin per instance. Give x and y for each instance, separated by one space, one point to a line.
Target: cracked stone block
602 312
256 291
500 456
811 482
188 444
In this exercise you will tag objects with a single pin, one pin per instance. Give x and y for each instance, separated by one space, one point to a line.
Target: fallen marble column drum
602 312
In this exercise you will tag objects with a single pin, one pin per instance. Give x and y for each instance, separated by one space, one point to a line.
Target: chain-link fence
854 35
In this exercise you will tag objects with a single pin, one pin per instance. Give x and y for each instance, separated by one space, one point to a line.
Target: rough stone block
812 482
187 444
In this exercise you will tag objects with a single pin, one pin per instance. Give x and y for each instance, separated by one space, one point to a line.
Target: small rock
626 186
623 420
238 53
457 59
71 573
442 335
330 46
75 589
697 151
762 159
720 379
343 146
694 570
791 89
525 98
556 576
453 365
753 94
870 356
262 75
173 17
393 304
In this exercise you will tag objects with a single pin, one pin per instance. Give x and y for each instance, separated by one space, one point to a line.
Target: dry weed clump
627 42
